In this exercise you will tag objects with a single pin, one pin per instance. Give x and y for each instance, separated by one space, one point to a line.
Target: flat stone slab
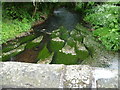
30 75
105 78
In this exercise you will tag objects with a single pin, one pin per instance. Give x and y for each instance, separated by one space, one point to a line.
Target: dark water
60 17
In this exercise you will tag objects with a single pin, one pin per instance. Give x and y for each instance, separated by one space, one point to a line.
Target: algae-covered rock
31 45
17 42
81 51
66 56
83 30
56 44
27 38
9 55
55 33
76 35
34 43
38 39
71 42
64 33
43 54
8 48
47 60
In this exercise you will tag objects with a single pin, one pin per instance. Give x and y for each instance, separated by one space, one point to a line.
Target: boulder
56 44
66 55
82 52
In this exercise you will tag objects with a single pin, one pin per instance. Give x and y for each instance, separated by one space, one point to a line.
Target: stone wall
27 75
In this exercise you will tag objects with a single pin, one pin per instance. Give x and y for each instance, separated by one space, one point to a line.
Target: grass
11 28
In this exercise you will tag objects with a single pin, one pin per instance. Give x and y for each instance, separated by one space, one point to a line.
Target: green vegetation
104 19
19 17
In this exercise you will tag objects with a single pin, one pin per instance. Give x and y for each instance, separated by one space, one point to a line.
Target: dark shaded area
60 17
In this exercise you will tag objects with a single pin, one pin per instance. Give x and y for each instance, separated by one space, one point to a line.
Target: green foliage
17 18
12 28
104 19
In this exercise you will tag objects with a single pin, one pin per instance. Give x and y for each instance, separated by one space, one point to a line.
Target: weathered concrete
17 74
78 76
30 75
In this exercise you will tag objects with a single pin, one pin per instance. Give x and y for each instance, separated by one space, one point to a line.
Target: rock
10 47
34 43
78 76
11 54
43 54
71 42
99 56
31 45
56 44
76 35
55 33
27 38
66 56
105 78
38 39
64 33
81 51
29 75
47 60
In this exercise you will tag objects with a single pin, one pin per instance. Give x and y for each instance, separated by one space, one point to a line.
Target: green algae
31 45
56 44
44 53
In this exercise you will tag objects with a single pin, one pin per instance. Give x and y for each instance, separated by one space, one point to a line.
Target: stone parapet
28 75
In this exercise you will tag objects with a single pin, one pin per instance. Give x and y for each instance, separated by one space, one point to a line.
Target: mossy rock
14 52
64 34
82 52
56 44
76 35
8 48
31 45
27 38
38 39
8 57
55 33
65 56
71 42
47 60
43 54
